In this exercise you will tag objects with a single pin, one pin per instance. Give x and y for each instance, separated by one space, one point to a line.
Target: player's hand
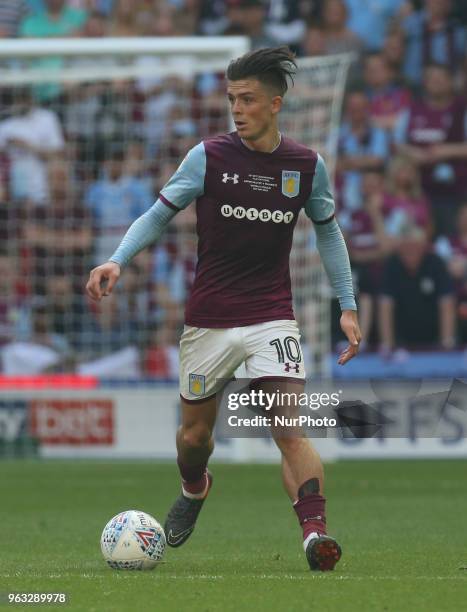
102 280
350 327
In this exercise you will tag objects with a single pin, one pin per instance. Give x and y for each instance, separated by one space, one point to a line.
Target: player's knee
197 436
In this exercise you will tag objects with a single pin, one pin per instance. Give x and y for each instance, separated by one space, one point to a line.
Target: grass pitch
402 527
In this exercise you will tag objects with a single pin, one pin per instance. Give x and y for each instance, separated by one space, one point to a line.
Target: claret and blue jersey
247 205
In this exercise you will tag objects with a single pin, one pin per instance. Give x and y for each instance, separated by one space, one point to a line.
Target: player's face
253 108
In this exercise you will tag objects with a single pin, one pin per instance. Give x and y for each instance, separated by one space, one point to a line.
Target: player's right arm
186 184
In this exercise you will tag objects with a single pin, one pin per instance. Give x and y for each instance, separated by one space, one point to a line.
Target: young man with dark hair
250 186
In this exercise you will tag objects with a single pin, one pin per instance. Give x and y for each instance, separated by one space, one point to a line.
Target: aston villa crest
290 183
197 384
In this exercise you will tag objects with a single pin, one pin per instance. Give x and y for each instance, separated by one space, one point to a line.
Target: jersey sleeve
320 207
187 183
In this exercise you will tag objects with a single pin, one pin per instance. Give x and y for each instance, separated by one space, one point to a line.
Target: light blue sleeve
144 231
329 240
379 146
335 257
187 183
320 205
399 135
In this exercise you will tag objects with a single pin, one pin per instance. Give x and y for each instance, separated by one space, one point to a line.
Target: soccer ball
133 540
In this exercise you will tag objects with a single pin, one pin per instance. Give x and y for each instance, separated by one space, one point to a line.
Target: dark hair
271 67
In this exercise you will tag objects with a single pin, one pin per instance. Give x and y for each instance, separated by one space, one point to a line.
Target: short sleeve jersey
247 205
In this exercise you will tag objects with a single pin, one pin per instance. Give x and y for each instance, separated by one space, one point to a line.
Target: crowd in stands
78 163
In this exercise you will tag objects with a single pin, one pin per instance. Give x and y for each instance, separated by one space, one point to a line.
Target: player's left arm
320 208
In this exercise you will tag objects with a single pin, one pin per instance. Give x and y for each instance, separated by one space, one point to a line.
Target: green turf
402 526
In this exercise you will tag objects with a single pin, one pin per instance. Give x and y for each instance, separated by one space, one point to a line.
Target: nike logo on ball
174 539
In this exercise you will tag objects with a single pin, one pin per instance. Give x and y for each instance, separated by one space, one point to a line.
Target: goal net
311 116
90 130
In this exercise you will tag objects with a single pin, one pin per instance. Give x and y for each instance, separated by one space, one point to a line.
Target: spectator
128 19
67 308
368 246
110 330
212 20
394 52
209 106
370 20
285 24
174 268
135 300
362 146
433 36
432 133
158 22
460 12
96 26
12 12
115 201
43 352
387 98
186 16
14 318
248 17
314 42
136 163
312 12
338 38
31 138
404 203
453 249
57 18
96 117
102 6
12 213
164 171
59 234
181 132
417 308
161 361
155 99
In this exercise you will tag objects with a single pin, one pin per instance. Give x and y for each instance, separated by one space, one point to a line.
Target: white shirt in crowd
41 129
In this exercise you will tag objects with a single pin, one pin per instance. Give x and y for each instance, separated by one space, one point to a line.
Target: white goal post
152 97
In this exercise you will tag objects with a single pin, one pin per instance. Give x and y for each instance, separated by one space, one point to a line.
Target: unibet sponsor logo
252 214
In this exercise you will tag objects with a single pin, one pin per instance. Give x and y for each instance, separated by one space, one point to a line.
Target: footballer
250 186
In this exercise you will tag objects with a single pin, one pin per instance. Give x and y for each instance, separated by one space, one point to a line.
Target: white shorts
268 350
